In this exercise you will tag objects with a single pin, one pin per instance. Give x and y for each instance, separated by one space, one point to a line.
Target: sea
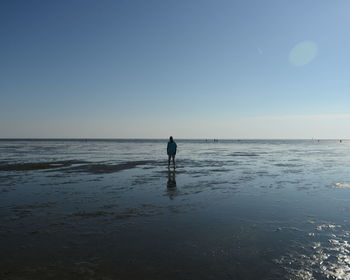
230 209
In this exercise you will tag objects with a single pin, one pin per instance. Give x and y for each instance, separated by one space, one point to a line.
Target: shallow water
232 210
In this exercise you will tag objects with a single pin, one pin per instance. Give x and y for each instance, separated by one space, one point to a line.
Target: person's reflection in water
171 184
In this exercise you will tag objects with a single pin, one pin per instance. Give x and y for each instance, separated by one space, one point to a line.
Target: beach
111 209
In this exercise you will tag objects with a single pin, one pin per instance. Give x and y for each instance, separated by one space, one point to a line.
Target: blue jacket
171 149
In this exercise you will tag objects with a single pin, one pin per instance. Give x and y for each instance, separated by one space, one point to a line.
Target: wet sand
229 211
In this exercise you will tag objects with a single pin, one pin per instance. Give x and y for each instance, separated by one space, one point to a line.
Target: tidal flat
111 209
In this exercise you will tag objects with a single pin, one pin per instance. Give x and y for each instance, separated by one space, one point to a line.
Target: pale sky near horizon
187 68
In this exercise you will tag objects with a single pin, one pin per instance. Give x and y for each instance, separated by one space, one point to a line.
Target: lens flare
303 53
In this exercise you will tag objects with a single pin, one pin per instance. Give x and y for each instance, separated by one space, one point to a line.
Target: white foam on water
340 185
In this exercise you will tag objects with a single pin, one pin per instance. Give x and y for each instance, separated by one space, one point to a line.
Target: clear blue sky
188 68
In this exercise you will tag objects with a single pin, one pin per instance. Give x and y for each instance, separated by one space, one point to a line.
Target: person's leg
173 160
169 160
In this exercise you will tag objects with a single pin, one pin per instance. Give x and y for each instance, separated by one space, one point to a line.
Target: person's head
171 139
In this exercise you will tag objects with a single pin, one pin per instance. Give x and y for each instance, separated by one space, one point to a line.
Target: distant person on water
171 150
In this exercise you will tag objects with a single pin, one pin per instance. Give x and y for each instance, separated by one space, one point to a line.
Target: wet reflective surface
230 210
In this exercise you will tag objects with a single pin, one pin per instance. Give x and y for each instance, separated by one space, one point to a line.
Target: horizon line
145 138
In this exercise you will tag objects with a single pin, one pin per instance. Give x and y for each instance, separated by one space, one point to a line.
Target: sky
187 68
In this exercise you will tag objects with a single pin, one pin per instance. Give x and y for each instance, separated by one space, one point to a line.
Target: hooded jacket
171 149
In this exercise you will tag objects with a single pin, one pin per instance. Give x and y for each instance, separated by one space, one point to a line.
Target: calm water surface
110 209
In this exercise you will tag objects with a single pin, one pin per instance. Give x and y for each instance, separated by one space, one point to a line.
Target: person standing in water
171 150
